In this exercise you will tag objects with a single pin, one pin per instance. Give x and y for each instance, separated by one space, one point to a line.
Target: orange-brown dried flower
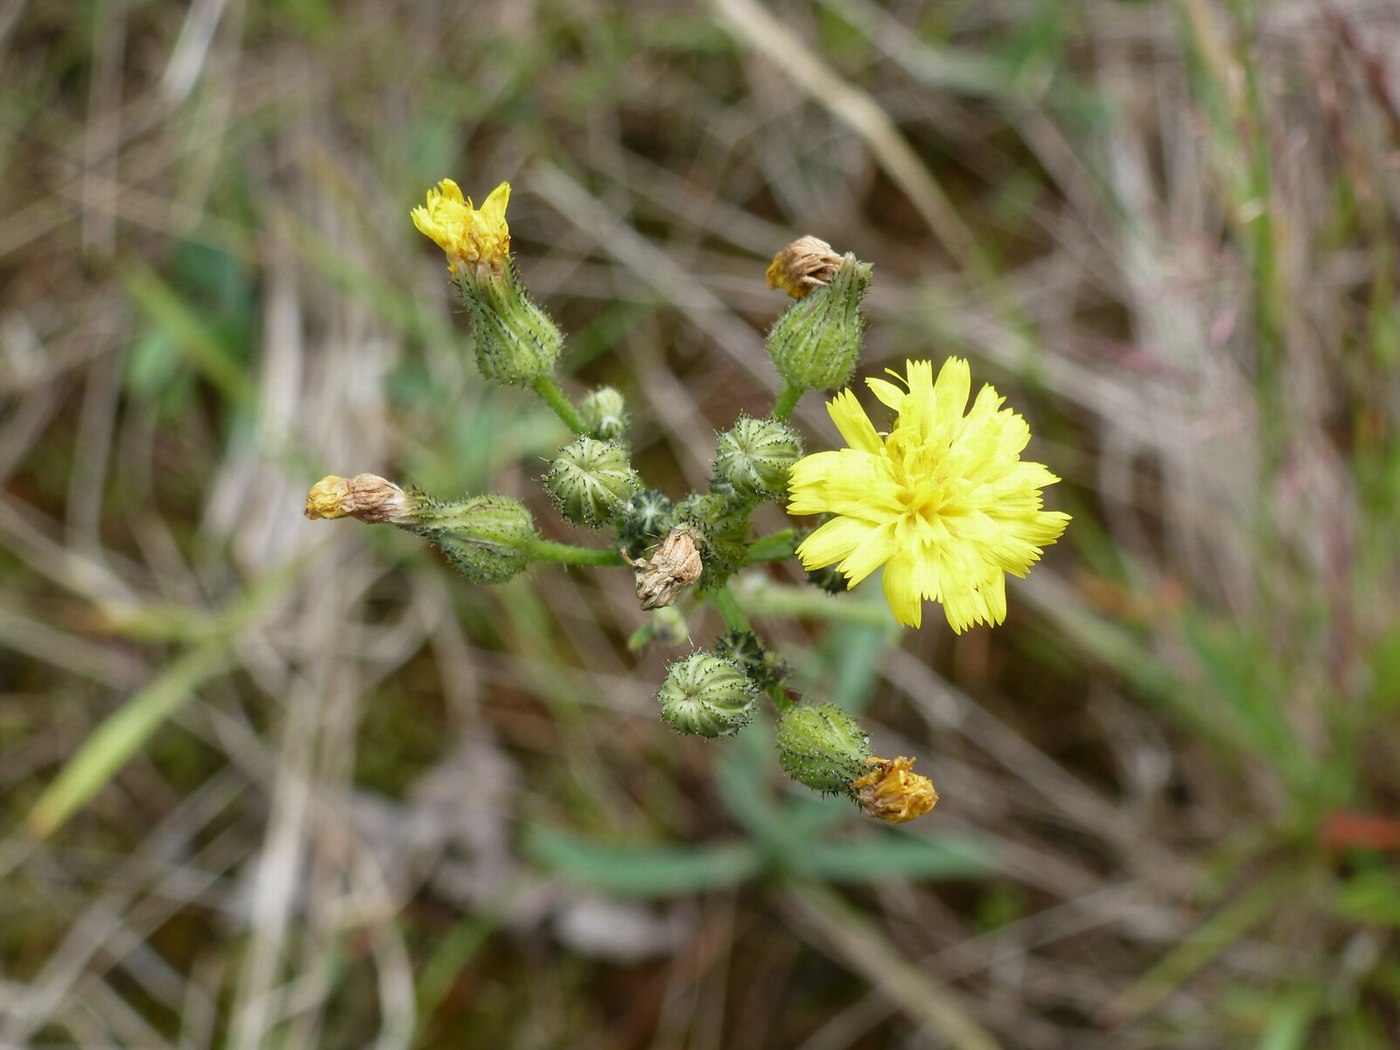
805 264
893 792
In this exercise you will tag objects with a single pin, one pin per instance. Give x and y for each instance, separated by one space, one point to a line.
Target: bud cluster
681 548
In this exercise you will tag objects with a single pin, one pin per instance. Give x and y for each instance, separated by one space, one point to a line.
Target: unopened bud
674 567
706 695
823 747
489 538
604 414
893 792
816 342
592 481
723 524
647 518
665 626
755 456
807 263
763 666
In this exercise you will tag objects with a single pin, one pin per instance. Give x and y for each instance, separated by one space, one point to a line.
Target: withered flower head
368 497
805 264
893 792
674 567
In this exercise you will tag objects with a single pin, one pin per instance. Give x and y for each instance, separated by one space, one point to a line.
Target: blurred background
276 783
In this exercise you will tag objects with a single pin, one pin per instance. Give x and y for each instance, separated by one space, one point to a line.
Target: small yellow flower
471 237
943 501
893 792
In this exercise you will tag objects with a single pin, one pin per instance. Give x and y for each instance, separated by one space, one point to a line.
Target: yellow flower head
893 792
471 237
943 501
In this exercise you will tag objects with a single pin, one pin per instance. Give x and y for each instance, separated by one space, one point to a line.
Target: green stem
552 396
776 546
786 602
728 608
788 397
568 554
734 619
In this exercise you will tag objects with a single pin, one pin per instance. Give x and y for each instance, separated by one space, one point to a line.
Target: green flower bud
516 342
706 695
823 747
763 666
603 414
666 626
755 457
592 481
722 523
830 579
648 518
815 344
489 538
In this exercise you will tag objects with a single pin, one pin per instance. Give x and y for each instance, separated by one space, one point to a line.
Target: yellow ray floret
943 502
471 237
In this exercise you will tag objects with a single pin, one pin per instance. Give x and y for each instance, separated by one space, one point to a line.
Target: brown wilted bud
893 792
805 264
674 567
367 497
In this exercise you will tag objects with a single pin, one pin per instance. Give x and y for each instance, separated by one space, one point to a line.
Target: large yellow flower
943 501
471 237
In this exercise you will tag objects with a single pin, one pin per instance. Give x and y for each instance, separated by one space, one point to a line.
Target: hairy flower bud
755 456
592 481
489 538
604 414
823 747
763 666
816 342
516 342
706 695
648 517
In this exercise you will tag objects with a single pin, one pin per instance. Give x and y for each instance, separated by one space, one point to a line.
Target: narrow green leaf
641 870
891 856
114 742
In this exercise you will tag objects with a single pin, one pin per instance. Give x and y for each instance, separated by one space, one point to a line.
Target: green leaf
117 739
632 870
1370 897
893 855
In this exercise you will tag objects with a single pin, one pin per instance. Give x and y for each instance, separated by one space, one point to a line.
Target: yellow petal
853 423
833 542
